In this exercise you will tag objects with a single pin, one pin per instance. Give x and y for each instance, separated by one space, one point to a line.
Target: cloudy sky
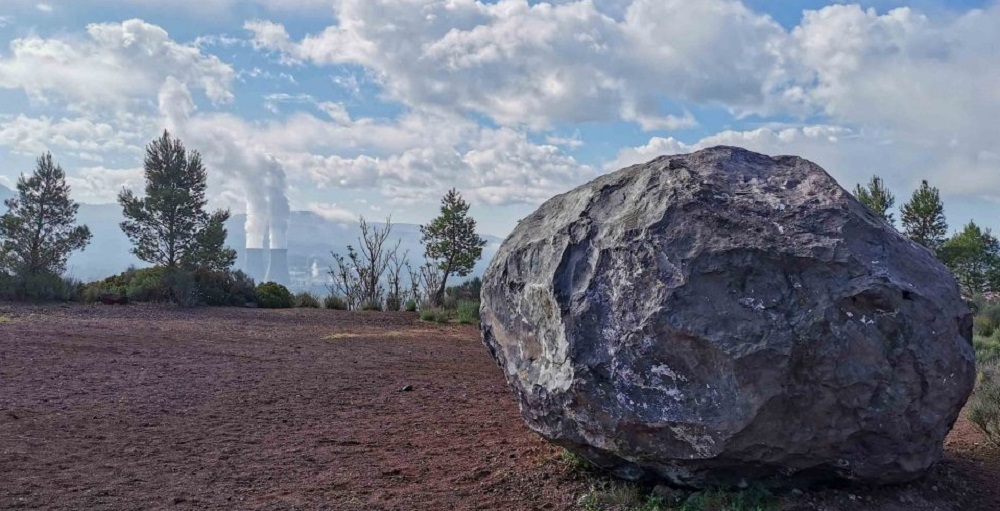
376 107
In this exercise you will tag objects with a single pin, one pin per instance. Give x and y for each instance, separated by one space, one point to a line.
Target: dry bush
984 405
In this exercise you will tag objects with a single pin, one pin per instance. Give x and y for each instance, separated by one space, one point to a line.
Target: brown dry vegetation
146 407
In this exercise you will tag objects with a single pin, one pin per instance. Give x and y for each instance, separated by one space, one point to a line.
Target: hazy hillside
108 252
311 238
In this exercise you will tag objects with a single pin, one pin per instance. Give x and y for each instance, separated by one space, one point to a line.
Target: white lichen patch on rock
665 371
554 372
702 443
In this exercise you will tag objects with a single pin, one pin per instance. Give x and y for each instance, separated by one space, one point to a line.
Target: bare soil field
145 407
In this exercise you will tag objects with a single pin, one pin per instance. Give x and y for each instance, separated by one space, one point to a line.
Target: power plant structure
261 175
255 263
267 228
266 251
277 267
267 265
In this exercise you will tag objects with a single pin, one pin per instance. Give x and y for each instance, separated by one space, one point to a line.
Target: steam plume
277 205
228 150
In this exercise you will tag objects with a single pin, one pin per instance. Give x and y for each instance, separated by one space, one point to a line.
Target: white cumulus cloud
78 135
113 64
535 65
100 185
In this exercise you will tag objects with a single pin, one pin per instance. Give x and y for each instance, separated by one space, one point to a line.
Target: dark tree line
171 228
168 226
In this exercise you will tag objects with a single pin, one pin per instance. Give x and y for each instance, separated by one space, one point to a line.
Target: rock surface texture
724 317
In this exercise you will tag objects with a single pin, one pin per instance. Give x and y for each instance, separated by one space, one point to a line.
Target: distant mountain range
311 239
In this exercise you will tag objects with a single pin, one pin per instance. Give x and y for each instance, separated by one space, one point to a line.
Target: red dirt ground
158 408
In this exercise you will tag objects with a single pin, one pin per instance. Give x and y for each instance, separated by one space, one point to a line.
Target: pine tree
212 254
877 197
973 256
923 217
39 230
450 241
170 226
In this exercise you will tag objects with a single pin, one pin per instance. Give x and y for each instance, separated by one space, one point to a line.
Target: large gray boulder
724 317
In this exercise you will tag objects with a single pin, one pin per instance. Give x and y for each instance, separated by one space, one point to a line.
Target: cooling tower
255 266
277 269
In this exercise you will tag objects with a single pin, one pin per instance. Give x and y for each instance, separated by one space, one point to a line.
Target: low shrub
576 463
987 349
449 302
468 312
751 499
436 314
411 305
93 292
431 312
984 326
185 288
306 300
988 309
271 295
217 289
984 405
151 285
393 303
40 287
371 306
335 302
113 285
620 496
49 288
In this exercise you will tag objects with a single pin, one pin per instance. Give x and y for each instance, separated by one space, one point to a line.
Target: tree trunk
439 295
36 238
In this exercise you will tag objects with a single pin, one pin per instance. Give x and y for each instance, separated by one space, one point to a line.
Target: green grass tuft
621 496
468 312
751 499
574 462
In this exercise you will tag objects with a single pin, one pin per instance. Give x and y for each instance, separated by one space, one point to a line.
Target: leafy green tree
923 217
212 253
169 226
973 256
450 241
877 197
39 230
